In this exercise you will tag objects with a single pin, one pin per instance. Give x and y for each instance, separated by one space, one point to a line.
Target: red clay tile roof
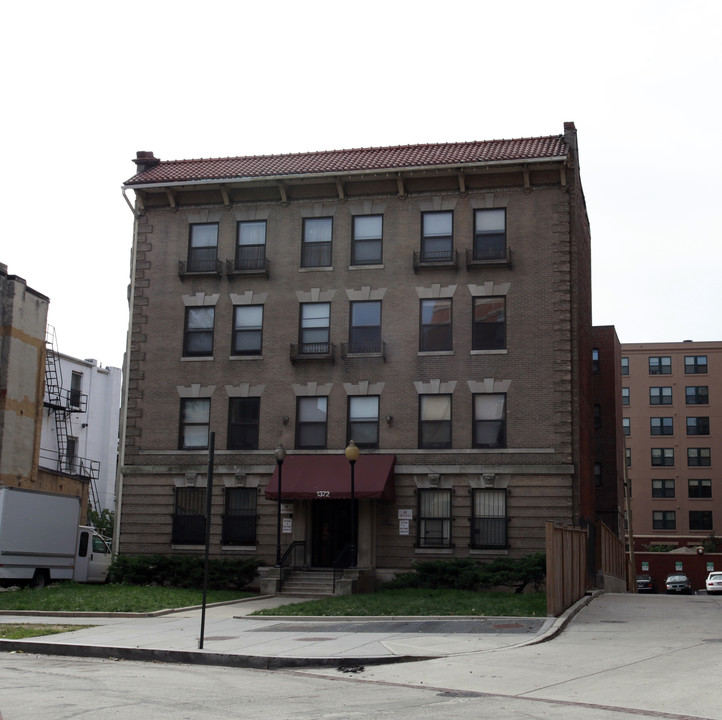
344 161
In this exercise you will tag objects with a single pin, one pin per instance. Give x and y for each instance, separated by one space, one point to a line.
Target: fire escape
62 403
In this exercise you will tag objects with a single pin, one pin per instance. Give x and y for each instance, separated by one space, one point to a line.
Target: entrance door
331 533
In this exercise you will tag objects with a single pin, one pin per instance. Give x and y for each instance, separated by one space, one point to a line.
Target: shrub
182 571
467 574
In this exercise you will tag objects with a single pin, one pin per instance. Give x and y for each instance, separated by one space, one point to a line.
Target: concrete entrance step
308 584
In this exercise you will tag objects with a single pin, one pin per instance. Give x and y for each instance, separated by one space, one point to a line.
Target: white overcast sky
87 84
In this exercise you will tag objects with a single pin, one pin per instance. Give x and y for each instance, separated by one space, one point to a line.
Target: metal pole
354 560
278 515
209 496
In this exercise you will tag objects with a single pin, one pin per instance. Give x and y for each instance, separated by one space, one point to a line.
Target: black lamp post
352 453
280 455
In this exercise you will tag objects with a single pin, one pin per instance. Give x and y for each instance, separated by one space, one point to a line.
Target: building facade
672 420
82 435
431 303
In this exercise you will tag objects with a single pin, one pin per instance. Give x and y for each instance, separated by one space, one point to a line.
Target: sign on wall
403 527
287 525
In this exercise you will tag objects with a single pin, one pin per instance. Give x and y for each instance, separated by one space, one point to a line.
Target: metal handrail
339 566
291 549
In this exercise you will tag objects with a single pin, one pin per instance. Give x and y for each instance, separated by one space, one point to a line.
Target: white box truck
41 540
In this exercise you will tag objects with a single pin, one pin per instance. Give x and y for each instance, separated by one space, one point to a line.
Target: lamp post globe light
280 455
352 454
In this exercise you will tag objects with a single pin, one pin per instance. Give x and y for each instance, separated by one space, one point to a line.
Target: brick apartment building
608 434
430 302
672 419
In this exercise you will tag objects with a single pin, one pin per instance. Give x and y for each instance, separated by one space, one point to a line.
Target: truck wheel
40 579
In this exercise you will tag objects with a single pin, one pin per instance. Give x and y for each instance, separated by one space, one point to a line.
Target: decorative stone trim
196 390
365 293
367 207
488 201
438 202
244 389
200 299
435 387
315 295
313 389
318 210
436 291
210 215
252 213
248 298
364 387
489 385
489 289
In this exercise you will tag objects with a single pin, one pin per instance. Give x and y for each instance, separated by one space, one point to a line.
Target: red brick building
430 302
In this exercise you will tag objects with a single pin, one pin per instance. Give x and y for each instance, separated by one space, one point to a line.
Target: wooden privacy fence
611 554
566 555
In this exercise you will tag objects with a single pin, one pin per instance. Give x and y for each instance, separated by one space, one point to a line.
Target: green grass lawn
421 602
70 596
12 631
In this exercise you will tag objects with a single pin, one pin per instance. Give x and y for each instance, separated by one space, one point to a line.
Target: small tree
103 521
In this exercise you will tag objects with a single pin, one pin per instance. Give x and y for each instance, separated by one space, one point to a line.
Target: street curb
564 619
154 613
189 657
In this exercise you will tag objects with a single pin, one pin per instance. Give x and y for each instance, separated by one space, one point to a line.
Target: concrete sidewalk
232 637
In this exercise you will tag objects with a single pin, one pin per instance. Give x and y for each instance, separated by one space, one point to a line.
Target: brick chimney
145 160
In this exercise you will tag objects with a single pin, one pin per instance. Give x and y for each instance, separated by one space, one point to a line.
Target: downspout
126 383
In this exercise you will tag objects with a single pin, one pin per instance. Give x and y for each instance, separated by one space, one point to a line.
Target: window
202 248
595 361
189 517
311 415
434 518
628 456
239 518
251 245
363 420
660 365
489 421
316 246
247 330
660 396
597 416
597 474
198 336
661 426
435 421
696 395
366 245
365 330
626 427
243 422
625 366
489 331
315 334
662 488
625 396
488 521
490 234
700 520
699 488
76 386
695 364
663 457
435 334
699 457
71 456
437 237
697 426
664 520
195 423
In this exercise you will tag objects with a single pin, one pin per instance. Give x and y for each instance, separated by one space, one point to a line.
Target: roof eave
457 167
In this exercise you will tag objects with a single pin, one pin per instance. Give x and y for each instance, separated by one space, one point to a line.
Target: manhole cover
313 639
460 693
223 637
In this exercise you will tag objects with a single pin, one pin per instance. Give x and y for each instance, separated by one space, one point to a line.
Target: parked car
713 583
645 583
678 583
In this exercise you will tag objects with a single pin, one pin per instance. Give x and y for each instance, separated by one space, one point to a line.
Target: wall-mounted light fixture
284 419
389 419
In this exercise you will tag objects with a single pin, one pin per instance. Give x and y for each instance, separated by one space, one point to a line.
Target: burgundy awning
318 477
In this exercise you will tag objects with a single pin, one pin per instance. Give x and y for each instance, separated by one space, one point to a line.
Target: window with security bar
239 517
489 519
189 518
